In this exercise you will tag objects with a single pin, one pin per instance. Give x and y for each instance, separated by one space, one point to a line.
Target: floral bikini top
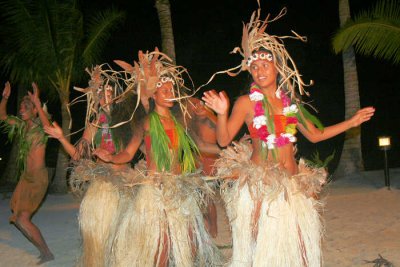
273 130
280 123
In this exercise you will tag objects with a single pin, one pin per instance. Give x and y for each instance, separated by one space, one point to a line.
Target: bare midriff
35 159
284 156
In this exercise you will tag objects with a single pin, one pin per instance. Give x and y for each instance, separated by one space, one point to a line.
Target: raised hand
362 115
103 154
219 102
54 131
7 90
34 97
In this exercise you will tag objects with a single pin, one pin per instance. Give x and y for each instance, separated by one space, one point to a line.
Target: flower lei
260 120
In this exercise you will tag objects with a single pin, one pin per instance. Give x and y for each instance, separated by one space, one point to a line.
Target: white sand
362 220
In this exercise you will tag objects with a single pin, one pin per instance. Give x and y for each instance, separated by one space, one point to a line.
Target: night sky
206 31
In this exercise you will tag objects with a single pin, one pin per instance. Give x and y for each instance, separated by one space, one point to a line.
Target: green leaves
373 33
317 162
99 28
48 41
160 143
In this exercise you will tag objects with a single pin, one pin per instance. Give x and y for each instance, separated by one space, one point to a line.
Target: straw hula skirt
274 220
105 197
165 216
129 218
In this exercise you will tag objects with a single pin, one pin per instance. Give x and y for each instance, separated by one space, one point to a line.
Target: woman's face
264 72
164 94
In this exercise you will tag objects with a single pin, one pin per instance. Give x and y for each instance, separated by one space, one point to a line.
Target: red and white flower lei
270 140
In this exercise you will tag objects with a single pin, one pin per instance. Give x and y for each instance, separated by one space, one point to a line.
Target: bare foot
45 258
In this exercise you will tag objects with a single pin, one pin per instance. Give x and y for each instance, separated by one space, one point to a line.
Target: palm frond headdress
255 38
152 70
103 78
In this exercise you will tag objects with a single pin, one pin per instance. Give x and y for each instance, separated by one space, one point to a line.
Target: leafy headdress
255 38
152 70
104 80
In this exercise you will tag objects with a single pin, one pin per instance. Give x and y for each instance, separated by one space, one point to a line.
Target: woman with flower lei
274 218
164 225
98 183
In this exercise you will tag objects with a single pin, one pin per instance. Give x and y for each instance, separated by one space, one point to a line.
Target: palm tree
167 34
351 157
50 42
373 33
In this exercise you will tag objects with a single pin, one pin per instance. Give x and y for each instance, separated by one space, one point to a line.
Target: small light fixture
384 144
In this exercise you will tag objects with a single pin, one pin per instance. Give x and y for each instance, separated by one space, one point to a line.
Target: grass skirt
166 211
274 220
104 198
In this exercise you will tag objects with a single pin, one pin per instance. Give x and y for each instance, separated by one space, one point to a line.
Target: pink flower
103 118
258 109
291 120
285 99
281 141
263 132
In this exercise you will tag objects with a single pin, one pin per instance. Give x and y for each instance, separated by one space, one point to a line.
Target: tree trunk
167 35
351 157
59 183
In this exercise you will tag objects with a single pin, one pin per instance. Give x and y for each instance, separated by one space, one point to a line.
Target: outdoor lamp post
384 144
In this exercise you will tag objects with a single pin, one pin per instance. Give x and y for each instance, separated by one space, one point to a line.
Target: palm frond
99 28
373 33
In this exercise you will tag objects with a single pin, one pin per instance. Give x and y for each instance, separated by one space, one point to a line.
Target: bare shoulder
243 103
244 99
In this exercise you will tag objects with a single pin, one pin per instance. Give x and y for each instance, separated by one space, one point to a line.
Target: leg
211 217
32 232
255 217
162 257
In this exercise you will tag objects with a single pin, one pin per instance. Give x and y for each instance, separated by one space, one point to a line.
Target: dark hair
122 112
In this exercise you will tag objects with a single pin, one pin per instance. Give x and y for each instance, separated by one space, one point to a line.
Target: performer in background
202 128
100 184
33 183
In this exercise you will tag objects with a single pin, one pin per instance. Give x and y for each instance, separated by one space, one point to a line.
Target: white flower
259 121
271 141
256 96
291 137
291 109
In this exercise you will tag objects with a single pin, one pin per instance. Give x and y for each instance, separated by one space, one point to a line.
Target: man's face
26 110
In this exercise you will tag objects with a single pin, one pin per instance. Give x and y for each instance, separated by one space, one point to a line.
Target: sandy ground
362 220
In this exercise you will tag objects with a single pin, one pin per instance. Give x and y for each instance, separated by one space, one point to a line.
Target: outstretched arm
4 99
55 131
315 135
227 128
34 97
124 156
